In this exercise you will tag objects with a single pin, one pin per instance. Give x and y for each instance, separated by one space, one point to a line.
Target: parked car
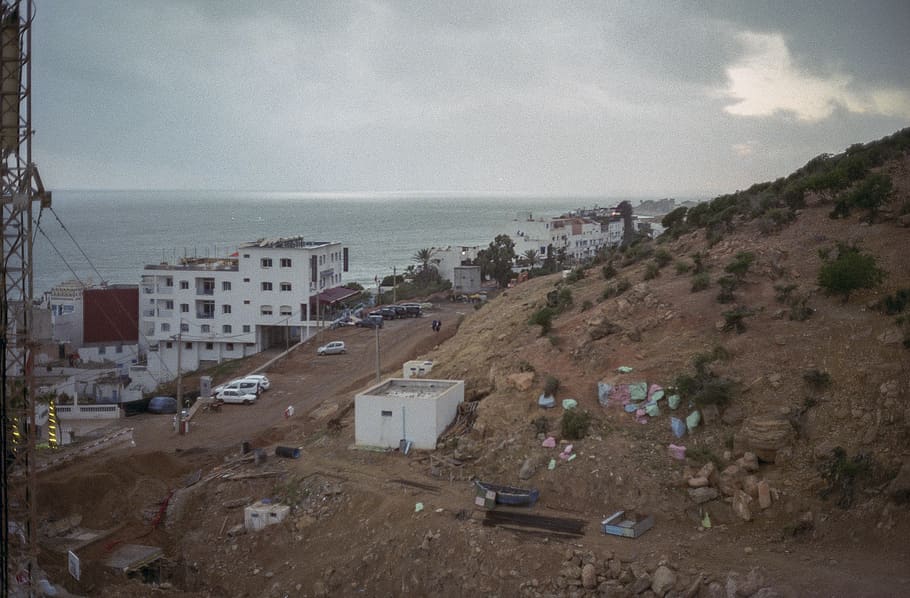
333 348
162 405
413 309
387 313
236 396
369 322
247 385
264 383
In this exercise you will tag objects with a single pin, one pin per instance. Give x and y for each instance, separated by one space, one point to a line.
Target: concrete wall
383 418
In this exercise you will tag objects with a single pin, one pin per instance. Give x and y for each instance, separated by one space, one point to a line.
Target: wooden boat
509 495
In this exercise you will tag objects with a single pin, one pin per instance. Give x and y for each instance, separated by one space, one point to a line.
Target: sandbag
638 391
678 427
603 393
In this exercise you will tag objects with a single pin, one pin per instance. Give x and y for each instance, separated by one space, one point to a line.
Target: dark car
400 311
162 405
413 309
388 313
370 322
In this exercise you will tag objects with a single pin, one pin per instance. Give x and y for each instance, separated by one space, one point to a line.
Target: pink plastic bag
550 442
677 452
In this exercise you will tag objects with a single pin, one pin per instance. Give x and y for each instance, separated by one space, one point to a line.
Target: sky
605 98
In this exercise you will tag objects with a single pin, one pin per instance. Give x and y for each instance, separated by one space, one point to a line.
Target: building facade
202 311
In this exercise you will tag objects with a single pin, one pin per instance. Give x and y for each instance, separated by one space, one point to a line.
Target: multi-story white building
446 259
205 310
580 237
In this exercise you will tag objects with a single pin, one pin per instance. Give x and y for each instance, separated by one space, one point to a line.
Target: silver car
332 348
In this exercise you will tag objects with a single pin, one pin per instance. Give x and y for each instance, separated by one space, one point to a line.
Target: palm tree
426 260
532 257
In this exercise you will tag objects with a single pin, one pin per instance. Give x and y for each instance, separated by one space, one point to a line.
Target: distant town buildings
202 311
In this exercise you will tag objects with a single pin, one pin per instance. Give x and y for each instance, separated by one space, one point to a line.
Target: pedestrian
438 325
434 325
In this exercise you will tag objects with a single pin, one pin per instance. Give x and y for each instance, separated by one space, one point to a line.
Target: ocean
122 231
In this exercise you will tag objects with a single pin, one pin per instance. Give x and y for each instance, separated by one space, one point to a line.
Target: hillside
795 482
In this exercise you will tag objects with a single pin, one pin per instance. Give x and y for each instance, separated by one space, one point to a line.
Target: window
285 310
205 328
184 284
225 309
246 255
102 350
386 413
184 327
266 310
229 347
266 286
246 301
226 329
165 327
184 308
169 304
168 345
209 346
266 262
246 327
188 346
226 286
168 282
119 349
285 262
285 286
246 280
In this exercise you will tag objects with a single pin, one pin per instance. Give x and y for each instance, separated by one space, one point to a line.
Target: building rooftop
285 243
411 388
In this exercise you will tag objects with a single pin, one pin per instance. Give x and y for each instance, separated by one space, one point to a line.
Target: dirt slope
355 530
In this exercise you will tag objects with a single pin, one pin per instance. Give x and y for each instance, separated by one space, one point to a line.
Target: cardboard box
630 526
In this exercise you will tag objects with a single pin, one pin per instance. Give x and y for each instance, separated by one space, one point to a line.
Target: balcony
203 315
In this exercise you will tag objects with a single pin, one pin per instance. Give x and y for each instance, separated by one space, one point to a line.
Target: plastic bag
547 402
638 391
678 427
652 409
603 393
673 401
693 420
569 404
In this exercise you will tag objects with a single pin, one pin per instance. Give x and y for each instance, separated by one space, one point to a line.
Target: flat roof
285 243
414 388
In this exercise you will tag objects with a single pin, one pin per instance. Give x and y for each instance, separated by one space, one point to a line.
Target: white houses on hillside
580 237
233 307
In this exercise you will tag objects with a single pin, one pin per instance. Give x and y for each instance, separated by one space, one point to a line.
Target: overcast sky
608 98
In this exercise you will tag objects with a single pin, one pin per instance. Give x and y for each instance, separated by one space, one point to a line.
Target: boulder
522 381
899 488
764 494
663 580
698 482
729 480
598 328
528 469
701 495
748 462
741 502
765 435
641 584
589 576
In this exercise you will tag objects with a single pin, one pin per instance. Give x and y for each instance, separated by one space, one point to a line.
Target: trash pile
644 402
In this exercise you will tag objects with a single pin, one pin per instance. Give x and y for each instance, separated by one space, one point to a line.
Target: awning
330 296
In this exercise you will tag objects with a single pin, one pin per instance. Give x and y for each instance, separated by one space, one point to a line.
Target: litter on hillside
678 427
546 401
603 393
624 369
550 442
677 452
632 525
568 404
693 420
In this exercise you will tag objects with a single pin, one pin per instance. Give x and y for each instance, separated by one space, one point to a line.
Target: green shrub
800 310
575 424
541 425
850 270
727 285
896 303
698 265
682 267
817 379
615 290
735 319
586 305
704 387
783 292
543 318
652 271
741 264
550 385
575 275
608 271
700 282
662 257
564 299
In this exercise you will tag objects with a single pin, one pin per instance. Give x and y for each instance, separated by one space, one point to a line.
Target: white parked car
247 385
264 383
333 348
232 395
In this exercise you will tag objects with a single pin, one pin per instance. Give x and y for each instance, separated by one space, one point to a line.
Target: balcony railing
205 316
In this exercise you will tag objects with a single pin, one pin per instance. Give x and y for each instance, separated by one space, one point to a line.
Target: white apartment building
580 237
206 310
446 259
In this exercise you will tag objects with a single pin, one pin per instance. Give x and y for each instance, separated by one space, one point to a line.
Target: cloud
743 149
766 82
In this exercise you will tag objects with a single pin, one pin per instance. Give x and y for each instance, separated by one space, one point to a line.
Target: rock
589 576
741 502
891 336
701 495
707 471
641 584
614 568
753 582
750 485
729 480
732 415
904 220
899 488
571 572
521 381
764 494
598 328
774 379
710 414
528 469
237 530
698 482
320 589
890 389
663 580
748 462
824 449
765 435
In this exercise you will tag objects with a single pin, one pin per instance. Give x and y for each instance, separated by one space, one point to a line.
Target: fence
88 412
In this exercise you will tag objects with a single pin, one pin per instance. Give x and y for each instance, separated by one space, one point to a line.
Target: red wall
110 315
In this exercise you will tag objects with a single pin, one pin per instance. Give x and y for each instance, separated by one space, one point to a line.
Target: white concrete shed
418 410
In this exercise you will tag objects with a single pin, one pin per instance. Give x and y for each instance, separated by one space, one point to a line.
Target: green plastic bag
552 464
673 401
638 391
569 404
624 369
652 409
693 420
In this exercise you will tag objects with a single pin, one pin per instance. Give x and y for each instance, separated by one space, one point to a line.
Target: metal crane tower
20 190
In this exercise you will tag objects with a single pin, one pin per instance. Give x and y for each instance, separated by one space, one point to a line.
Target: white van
245 385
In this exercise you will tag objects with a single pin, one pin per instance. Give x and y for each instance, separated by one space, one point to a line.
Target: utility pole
179 372
376 328
394 286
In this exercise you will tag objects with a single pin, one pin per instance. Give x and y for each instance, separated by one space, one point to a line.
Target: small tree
531 257
496 260
850 270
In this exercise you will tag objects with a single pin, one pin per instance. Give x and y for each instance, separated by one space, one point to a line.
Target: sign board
72 562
